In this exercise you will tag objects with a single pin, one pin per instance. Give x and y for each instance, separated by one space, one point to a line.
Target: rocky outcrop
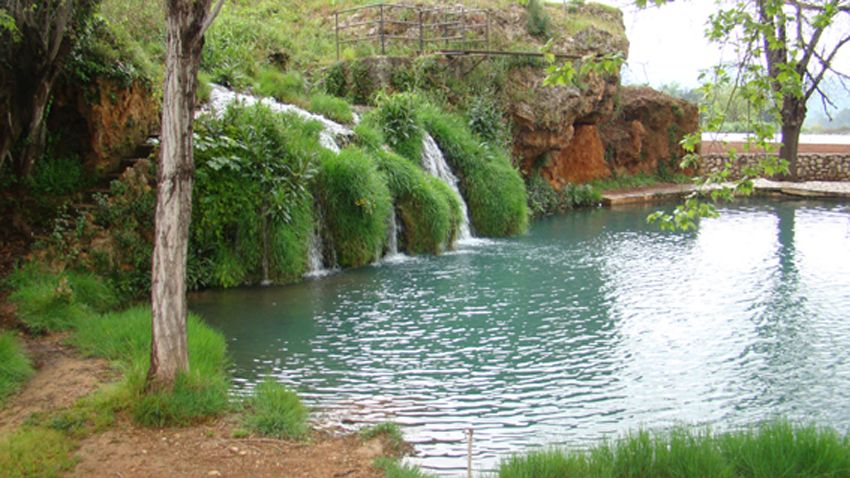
644 136
105 121
582 160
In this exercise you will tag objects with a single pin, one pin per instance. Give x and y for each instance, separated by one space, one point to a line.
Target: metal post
469 455
383 48
336 29
421 34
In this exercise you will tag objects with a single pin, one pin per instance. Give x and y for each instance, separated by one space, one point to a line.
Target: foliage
286 87
430 215
537 24
362 86
252 202
394 469
336 81
357 204
636 181
398 116
15 366
276 411
48 300
486 119
575 73
775 449
35 453
100 53
331 107
57 176
125 338
390 432
544 200
493 189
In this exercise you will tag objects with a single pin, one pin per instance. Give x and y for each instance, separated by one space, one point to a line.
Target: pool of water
592 324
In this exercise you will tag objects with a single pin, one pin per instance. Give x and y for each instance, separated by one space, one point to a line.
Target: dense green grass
771 450
398 117
124 337
494 190
357 205
392 468
15 367
286 87
276 411
51 301
331 107
429 211
636 181
391 434
35 453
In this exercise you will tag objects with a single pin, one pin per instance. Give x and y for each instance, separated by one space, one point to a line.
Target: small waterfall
392 240
435 163
316 252
331 132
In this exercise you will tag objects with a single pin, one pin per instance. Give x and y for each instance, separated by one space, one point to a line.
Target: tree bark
185 28
793 114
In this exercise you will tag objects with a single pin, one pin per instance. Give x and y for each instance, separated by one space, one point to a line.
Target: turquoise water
592 324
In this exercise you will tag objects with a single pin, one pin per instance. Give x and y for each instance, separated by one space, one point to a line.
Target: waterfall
331 132
435 163
316 251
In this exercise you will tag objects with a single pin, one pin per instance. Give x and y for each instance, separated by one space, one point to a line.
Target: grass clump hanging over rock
428 209
356 204
494 190
775 449
252 211
15 366
276 411
331 107
286 87
398 117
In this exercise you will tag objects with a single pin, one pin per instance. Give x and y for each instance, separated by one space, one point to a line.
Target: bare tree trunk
186 23
793 115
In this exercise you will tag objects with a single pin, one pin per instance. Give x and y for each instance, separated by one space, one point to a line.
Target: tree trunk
793 115
36 131
169 351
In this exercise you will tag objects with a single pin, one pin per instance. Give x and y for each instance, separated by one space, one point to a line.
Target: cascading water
392 239
435 163
331 132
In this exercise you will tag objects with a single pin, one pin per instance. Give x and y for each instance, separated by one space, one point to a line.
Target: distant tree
36 37
186 23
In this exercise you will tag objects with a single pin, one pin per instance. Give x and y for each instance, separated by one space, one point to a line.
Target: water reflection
592 324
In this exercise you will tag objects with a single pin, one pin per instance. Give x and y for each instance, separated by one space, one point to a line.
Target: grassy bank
776 449
15 367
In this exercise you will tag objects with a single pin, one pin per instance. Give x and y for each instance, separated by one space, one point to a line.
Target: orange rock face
581 161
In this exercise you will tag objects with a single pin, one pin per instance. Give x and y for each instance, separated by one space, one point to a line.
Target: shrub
356 205
286 87
362 86
544 200
15 367
426 212
485 120
537 24
774 449
390 432
393 469
398 116
331 107
336 82
200 393
57 176
276 411
51 301
493 189
35 453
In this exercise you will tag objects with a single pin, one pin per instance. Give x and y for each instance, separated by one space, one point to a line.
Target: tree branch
826 65
211 16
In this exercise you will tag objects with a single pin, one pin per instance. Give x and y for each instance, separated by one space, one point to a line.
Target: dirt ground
205 450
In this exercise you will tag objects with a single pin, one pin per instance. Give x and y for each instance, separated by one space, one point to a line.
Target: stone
583 160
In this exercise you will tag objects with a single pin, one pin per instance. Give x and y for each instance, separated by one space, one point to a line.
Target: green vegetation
544 200
286 87
15 367
394 469
398 116
775 449
493 189
538 20
637 181
276 411
390 432
356 203
331 107
35 453
428 209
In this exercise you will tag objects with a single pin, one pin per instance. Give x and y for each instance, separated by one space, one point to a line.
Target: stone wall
810 166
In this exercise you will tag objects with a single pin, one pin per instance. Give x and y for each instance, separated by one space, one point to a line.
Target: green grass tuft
392 468
286 87
276 411
15 366
331 107
398 116
35 453
771 450
356 204
390 432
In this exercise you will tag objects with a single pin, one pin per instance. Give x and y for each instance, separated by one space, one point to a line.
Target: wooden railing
429 28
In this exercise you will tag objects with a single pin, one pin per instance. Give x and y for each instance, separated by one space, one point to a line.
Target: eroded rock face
107 121
581 161
644 137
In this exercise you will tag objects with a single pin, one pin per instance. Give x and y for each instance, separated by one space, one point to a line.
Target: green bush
51 301
427 208
288 87
276 411
331 107
493 189
775 449
336 81
15 367
537 24
252 197
125 337
398 116
356 205
35 453
362 86
57 176
486 120
544 200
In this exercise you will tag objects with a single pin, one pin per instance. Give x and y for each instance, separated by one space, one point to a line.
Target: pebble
214 473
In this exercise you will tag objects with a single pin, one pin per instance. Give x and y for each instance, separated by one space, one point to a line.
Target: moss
356 202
